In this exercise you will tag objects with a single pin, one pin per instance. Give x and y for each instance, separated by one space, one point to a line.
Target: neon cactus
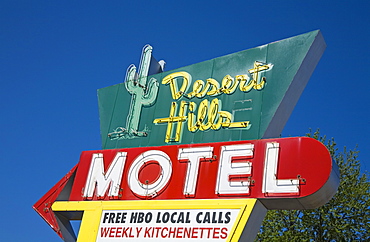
143 95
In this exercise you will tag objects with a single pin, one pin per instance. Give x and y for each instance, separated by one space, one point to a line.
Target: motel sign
192 154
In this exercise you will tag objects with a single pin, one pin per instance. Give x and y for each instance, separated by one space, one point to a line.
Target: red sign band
273 170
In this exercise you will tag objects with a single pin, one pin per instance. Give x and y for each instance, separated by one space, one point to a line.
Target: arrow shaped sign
281 173
193 135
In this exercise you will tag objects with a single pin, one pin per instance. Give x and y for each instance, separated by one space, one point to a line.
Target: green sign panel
242 96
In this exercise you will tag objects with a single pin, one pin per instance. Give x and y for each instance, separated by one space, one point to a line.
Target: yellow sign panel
167 220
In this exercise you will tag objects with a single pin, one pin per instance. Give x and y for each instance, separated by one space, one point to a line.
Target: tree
346 217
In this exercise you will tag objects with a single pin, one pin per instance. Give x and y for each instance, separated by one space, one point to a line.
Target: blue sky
54 55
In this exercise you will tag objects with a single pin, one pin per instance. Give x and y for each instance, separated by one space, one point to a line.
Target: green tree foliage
346 217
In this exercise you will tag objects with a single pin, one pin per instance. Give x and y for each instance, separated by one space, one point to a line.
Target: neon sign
262 169
185 153
273 171
209 115
242 96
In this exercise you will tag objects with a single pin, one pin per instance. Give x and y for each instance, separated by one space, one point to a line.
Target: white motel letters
99 180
